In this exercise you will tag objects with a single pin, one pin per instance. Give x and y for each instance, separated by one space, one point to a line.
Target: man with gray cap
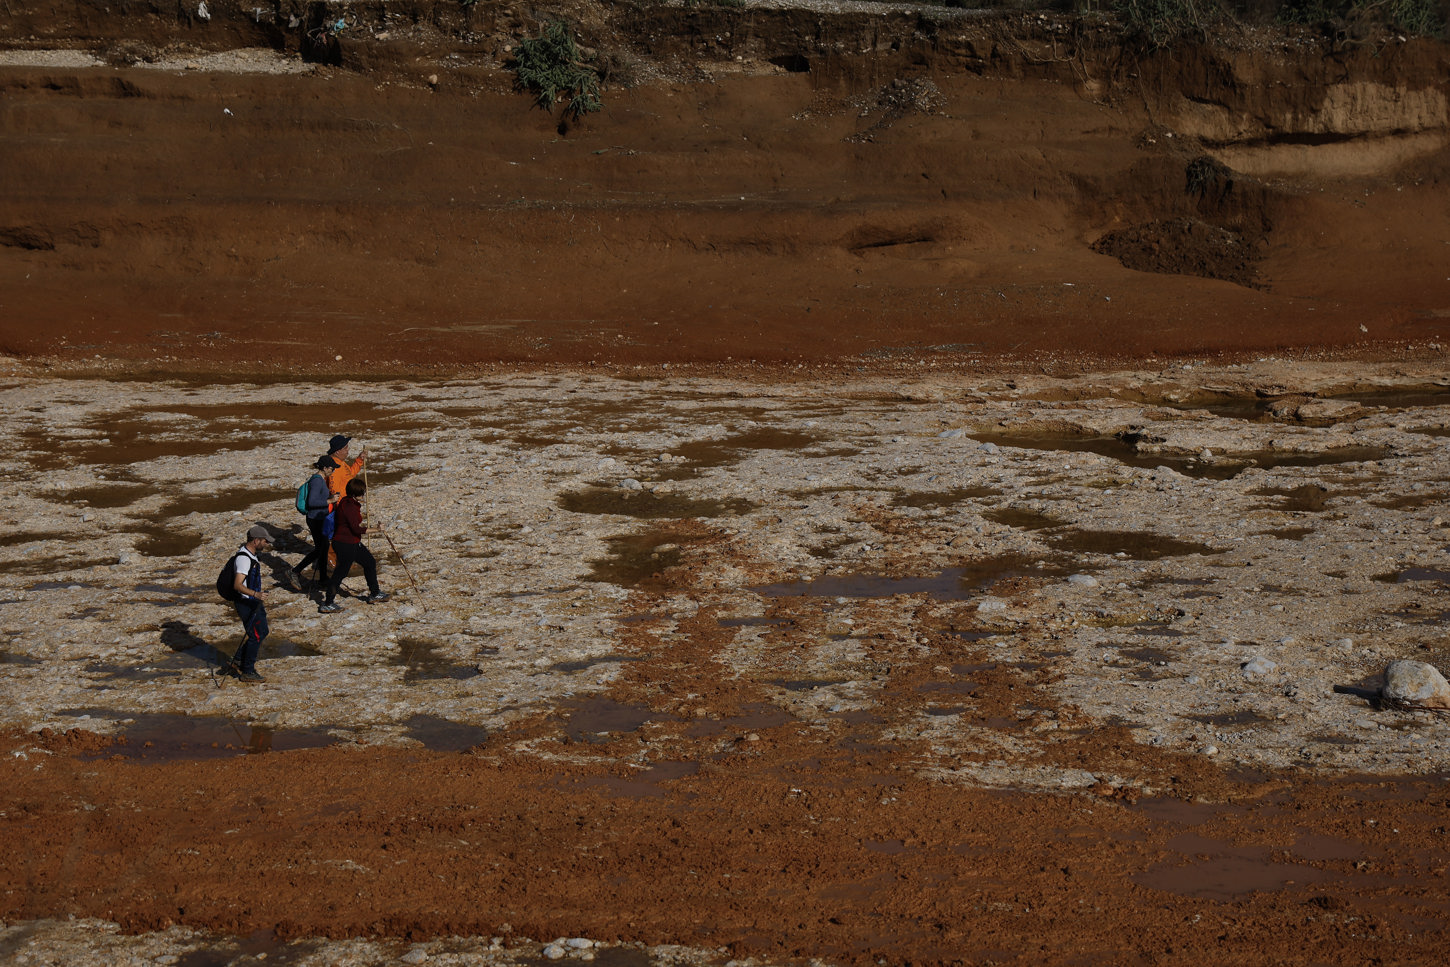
251 605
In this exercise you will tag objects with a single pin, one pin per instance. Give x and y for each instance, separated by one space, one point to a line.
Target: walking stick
389 538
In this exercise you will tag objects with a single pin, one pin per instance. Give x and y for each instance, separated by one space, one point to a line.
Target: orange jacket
341 474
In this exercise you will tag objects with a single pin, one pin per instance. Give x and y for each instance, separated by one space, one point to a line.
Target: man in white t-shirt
251 605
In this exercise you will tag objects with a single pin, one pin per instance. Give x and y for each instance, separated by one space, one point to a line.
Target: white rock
954 434
988 447
629 483
1083 580
415 956
1257 667
1416 683
554 951
990 605
579 943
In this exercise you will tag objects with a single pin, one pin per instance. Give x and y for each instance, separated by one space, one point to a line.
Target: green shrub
552 67
1163 21
1411 16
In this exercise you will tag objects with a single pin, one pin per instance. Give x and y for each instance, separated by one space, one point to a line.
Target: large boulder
1416 683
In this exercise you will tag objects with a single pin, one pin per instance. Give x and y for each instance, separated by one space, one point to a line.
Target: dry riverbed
1134 585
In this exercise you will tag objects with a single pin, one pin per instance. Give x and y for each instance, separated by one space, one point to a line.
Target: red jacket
349 528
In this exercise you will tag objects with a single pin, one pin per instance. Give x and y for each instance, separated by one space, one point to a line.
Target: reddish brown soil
187 220
958 213
802 844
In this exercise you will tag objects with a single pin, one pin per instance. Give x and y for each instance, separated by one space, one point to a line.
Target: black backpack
226 584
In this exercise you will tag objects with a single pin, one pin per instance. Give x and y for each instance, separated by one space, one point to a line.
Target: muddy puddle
260 947
1262 408
1307 498
648 505
931 500
1133 545
161 540
438 734
953 584
599 719
1210 869
110 494
637 560
690 458
57 564
1222 467
741 722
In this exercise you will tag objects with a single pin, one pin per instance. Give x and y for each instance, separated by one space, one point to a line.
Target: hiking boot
377 597
292 579
227 669
329 607
250 678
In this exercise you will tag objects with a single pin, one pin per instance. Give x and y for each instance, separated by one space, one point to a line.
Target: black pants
319 549
347 556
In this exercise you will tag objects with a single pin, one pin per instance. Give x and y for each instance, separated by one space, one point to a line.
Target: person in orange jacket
346 469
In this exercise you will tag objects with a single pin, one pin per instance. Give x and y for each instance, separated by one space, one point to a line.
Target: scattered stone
629 483
1416 683
555 951
955 433
579 943
991 605
415 956
1083 580
1257 667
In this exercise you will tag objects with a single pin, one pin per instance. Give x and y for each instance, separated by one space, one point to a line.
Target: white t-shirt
242 563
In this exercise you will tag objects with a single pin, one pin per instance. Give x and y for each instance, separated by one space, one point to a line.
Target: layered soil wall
832 185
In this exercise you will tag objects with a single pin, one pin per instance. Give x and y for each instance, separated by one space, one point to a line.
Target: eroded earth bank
767 183
1011 670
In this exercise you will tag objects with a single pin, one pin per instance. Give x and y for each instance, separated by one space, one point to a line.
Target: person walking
345 470
348 546
319 504
251 606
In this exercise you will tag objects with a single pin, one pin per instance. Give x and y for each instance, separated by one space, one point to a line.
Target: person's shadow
291 539
177 636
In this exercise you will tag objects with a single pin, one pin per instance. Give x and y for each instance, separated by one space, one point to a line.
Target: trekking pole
389 538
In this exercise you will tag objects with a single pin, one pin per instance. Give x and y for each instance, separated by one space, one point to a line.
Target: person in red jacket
348 546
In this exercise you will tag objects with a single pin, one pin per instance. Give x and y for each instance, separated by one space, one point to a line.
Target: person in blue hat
346 469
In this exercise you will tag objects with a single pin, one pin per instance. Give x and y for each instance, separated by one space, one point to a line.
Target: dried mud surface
898 486
1011 670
